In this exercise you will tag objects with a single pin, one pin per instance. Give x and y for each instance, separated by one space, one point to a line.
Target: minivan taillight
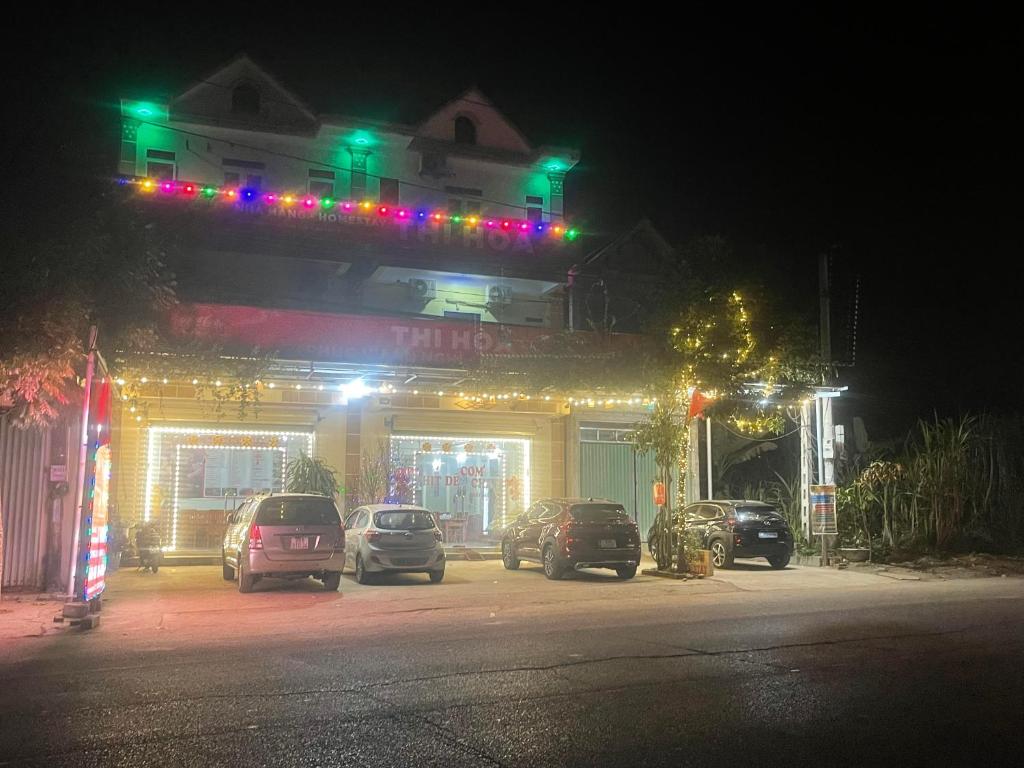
255 538
373 535
341 538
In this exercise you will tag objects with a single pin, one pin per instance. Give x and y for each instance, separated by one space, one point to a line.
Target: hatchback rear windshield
286 511
404 520
599 513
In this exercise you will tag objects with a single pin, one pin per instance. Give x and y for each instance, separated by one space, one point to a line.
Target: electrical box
499 294
421 289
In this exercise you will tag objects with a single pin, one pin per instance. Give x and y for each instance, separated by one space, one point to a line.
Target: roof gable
493 129
216 99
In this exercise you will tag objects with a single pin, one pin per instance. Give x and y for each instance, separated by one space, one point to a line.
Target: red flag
697 404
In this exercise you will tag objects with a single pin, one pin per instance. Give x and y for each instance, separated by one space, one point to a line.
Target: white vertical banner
806 468
693 463
828 447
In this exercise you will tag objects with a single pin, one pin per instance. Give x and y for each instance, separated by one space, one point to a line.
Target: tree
107 268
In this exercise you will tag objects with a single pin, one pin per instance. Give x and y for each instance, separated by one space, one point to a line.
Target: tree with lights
721 354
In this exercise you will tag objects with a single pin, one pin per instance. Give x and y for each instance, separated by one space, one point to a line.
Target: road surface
494 668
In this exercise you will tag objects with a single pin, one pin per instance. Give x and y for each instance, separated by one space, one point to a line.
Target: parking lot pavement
195 601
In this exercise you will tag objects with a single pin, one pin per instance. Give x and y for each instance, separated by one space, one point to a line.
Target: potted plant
855 548
304 474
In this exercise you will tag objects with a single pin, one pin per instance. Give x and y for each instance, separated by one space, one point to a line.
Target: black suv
569 534
736 528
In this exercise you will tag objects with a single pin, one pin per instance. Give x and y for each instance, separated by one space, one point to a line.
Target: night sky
893 140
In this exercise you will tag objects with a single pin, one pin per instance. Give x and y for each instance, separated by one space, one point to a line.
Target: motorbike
148 547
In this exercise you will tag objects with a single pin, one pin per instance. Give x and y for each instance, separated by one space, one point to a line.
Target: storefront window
473 485
195 476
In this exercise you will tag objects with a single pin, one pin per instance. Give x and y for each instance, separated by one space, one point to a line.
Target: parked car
285 535
393 538
735 528
569 534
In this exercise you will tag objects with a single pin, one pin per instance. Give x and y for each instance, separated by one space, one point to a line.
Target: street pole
83 455
711 493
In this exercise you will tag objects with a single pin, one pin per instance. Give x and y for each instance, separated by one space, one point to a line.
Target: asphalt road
753 667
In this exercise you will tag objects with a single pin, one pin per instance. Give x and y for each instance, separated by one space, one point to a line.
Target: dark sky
895 139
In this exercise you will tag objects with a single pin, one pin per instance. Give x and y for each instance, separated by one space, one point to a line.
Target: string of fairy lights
131 390
247 196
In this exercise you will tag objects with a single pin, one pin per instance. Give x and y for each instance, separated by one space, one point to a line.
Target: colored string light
248 195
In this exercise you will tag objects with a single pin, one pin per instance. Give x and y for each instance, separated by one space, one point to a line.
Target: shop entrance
473 485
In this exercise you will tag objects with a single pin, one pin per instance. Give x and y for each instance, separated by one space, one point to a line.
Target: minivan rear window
404 520
285 511
599 513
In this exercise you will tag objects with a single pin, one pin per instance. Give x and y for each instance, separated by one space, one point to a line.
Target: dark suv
736 528
569 534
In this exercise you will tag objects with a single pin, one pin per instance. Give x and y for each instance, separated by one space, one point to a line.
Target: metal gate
616 472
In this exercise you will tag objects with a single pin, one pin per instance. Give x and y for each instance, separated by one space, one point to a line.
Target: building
360 279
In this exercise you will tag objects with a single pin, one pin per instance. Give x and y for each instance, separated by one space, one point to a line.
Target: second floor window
159 164
389 191
321 183
534 208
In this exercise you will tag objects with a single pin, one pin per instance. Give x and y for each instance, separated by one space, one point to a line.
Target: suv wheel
721 554
626 571
436 576
332 581
779 561
508 556
361 575
552 568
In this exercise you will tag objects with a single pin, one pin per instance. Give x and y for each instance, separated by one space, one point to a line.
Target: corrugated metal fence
36 529
24 456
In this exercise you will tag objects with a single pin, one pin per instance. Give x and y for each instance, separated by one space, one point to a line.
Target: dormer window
245 100
465 131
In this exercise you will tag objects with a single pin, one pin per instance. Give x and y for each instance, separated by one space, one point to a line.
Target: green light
327 202
554 167
456 219
208 192
571 234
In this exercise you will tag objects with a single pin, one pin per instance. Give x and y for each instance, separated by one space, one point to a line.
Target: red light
506 224
231 194
189 189
255 538
438 216
383 210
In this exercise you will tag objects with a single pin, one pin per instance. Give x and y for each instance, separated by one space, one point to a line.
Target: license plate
606 544
767 534
298 543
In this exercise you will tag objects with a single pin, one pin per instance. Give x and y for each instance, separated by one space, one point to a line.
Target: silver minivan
393 538
284 535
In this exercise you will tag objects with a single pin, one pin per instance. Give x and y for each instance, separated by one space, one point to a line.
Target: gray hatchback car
284 535
393 538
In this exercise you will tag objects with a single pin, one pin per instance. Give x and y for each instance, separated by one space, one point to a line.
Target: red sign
659 494
361 338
